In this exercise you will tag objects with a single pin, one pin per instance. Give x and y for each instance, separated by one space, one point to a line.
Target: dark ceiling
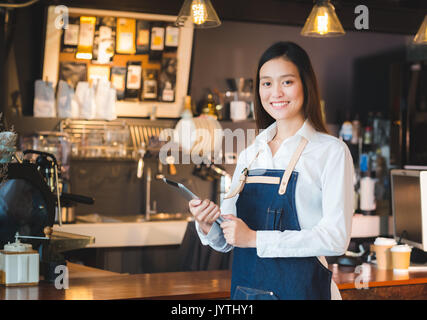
389 16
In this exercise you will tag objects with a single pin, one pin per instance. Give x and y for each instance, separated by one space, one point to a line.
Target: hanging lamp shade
322 21
421 36
199 13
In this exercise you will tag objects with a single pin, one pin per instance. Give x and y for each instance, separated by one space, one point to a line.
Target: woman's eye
287 82
266 84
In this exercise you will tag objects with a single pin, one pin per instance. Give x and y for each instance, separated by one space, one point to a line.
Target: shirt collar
307 131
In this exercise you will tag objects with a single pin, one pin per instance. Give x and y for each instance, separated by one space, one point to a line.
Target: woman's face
281 90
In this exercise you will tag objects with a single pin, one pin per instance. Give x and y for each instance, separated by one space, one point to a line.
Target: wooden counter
369 283
93 284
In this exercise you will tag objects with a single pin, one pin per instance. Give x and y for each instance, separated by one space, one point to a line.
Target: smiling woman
291 202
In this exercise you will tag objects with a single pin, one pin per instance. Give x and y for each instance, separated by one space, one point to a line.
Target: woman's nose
277 91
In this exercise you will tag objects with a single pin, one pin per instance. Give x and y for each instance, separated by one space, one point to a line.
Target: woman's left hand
237 233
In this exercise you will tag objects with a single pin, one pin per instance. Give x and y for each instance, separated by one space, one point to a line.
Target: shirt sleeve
215 237
331 236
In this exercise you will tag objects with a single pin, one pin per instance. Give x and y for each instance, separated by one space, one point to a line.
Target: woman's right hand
205 212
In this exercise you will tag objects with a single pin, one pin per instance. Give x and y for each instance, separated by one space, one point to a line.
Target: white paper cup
401 258
382 250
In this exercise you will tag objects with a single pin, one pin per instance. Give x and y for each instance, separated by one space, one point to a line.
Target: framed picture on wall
57 53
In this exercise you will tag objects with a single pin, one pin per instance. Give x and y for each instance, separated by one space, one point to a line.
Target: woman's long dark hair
294 53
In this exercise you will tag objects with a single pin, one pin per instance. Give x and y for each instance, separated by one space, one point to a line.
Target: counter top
129 234
158 233
87 283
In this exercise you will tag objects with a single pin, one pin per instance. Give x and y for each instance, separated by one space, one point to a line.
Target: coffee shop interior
93 92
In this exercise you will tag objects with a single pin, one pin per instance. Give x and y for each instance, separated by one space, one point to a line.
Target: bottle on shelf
367 186
346 132
187 113
356 130
367 136
209 107
368 130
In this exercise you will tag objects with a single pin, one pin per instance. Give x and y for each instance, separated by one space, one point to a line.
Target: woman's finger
195 202
205 210
226 224
209 209
229 216
198 211
213 215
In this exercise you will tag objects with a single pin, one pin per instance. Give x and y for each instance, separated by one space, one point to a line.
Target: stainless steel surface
140 167
64 241
148 210
163 216
143 133
96 138
159 174
133 136
139 149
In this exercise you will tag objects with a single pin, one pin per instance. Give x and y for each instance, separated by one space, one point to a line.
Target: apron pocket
245 293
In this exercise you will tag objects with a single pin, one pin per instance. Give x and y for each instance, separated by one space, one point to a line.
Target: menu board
144 56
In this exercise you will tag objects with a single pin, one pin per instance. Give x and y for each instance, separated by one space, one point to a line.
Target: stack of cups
382 250
400 258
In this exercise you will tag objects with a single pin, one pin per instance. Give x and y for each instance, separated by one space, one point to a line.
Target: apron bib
267 202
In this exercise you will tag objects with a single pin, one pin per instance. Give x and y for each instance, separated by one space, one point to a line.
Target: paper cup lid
384 242
401 248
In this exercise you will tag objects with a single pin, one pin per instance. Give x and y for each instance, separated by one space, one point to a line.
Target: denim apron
267 202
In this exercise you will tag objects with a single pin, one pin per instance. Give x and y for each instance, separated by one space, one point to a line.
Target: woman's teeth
279 104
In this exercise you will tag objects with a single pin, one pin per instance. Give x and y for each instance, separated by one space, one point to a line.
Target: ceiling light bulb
199 13
322 24
322 21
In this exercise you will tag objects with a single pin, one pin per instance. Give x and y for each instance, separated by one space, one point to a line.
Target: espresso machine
29 199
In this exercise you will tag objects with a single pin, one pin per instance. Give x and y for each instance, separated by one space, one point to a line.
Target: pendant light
322 21
421 36
199 13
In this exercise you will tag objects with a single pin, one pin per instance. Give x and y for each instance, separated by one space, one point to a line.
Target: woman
291 199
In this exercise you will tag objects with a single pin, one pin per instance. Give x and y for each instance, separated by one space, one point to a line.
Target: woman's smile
279 104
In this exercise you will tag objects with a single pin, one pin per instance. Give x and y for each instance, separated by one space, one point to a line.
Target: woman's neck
288 127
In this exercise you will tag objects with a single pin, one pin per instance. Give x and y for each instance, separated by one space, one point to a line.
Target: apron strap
291 165
242 180
286 175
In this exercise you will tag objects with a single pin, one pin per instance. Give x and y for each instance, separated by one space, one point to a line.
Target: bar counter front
86 283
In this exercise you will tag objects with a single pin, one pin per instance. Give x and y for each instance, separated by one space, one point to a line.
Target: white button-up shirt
324 196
